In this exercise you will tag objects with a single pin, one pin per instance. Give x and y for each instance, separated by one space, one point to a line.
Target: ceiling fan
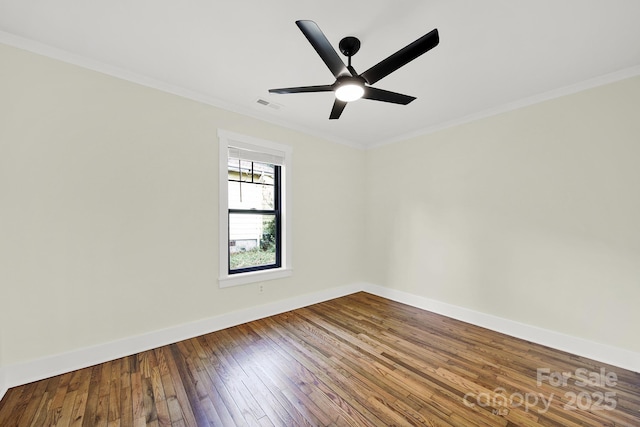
349 85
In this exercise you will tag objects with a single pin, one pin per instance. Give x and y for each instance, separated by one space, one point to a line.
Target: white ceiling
493 54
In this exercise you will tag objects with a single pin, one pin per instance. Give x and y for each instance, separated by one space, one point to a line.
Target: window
255 214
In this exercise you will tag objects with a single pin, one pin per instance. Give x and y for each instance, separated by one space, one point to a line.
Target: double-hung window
255 214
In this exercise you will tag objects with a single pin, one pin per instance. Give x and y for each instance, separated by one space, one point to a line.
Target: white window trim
233 139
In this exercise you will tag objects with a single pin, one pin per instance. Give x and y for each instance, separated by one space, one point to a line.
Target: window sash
278 253
276 212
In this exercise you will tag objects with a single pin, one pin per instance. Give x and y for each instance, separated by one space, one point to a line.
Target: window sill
254 276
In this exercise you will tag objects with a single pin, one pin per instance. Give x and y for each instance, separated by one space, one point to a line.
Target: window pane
247 171
263 173
245 195
240 170
251 185
251 240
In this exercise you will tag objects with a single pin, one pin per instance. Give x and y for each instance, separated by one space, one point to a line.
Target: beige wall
109 216
531 215
109 210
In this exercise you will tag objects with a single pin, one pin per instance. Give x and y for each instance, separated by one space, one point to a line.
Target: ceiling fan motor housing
349 46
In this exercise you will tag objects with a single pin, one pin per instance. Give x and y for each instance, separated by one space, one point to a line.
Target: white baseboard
34 370
38 369
610 355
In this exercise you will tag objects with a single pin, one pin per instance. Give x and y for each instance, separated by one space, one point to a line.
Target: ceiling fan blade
303 89
338 107
402 57
320 43
386 96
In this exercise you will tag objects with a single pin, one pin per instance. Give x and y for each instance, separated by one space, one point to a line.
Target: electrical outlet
261 287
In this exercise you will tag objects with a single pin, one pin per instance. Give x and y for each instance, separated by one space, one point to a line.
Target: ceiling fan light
349 92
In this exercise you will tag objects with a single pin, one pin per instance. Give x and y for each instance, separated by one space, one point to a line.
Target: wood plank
126 399
113 413
80 404
93 395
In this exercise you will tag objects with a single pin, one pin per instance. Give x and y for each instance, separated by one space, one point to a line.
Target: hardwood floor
360 360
